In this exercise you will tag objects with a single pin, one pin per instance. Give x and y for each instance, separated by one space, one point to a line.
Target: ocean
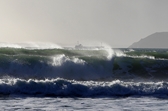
99 78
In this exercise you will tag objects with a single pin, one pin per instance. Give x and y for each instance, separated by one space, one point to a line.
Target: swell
141 64
128 67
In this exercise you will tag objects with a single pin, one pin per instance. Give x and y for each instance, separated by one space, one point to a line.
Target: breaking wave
53 63
102 65
61 72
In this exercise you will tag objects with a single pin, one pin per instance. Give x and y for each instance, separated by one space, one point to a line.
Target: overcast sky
118 23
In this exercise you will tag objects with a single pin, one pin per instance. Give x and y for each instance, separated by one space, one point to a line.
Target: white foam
120 53
142 56
58 60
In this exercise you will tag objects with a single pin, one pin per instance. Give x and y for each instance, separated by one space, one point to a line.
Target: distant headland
156 40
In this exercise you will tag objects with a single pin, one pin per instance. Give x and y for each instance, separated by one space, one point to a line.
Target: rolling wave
71 88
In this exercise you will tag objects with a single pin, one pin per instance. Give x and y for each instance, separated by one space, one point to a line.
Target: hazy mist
116 22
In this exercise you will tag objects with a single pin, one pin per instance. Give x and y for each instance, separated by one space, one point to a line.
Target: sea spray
109 51
9 45
30 45
40 45
119 53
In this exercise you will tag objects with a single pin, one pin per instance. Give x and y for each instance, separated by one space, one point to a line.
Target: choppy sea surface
85 78
137 103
